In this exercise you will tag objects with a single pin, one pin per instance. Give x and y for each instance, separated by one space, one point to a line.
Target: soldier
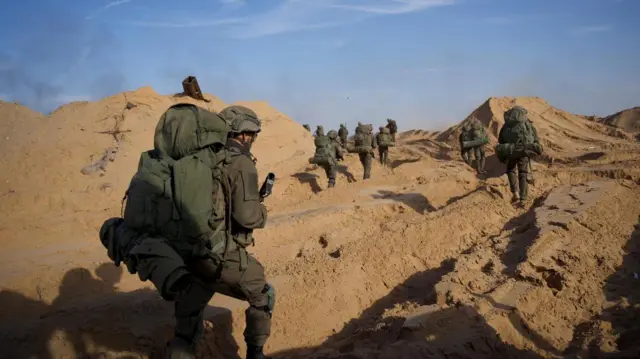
364 144
478 133
393 128
202 251
384 141
336 154
518 140
319 131
343 133
465 135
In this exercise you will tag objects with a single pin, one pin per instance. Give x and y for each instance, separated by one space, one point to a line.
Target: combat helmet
386 130
333 134
241 119
381 128
320 130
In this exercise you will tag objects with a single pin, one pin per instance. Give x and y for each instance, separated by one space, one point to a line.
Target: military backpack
181 190
385 139
324 154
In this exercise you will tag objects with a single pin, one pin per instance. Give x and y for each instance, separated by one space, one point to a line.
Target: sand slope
426 259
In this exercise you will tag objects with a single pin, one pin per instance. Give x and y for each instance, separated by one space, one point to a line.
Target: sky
425 63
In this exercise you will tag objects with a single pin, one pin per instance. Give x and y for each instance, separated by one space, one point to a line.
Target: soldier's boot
332 182
481 164
254 352
180 349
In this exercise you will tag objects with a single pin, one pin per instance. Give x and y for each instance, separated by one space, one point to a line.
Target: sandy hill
425 259
563 134
628 120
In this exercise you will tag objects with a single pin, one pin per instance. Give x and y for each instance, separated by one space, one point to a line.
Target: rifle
267 186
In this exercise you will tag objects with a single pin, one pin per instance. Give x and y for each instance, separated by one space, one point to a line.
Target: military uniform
383 151
343 133
367 158
465 153
393 128
518 183
477 131
336 152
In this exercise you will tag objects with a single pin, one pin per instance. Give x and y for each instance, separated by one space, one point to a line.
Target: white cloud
293 15
105 7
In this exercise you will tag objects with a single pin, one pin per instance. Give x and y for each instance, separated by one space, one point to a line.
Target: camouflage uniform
383 151
330 170
343 133
478 129
367 158
393 128
241 276
465 135
518 181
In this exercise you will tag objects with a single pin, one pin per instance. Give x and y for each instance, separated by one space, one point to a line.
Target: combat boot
515 197
254 352
332 183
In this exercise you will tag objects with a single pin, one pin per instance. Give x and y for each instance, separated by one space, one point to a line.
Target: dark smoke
55 55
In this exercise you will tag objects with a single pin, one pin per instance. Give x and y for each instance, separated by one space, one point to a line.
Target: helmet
389 120
476 125
359 123
386 130
241 119
341 125
381 128
333 134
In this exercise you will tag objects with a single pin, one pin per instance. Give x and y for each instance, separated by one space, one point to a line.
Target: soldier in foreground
384 141
190 241
393 128
343 133
517 143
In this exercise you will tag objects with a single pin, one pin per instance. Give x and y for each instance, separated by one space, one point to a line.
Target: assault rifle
267 186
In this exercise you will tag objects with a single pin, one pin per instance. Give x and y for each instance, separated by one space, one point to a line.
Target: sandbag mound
562 134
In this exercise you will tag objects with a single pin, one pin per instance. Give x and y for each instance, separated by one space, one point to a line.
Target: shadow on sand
91 319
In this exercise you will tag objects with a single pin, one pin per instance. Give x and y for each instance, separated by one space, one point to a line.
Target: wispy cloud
391 7
107 6
186 24
244 20
591 29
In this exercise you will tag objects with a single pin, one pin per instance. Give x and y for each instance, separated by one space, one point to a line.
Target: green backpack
362 140
181 187
324 154
385 140
518 138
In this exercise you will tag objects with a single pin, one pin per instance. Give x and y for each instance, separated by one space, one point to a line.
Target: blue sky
426 63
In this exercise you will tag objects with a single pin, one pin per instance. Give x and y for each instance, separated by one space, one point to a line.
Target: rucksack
324 154
180 190
385 139
517 128
392 126
362 142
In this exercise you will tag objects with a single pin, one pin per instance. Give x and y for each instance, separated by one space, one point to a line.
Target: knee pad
271 299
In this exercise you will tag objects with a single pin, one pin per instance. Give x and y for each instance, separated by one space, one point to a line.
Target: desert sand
425 260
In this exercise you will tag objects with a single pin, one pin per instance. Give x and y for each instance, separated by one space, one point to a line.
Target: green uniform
383 150
518 130
367 158
343 133
465 153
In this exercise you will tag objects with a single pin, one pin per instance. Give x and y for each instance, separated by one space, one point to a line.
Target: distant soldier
517 142
328 153
393 128
343 133
306 127
465 136
319 131
364 144
479 136
384 140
